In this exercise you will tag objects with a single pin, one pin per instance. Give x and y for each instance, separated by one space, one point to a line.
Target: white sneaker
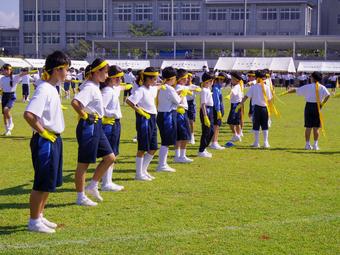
165 168
204 154
255 145
192 140
183 160
241 134
94 192
150 176
11 126
216 146
40 227
112 187
316 147
85 201
134 140
266 145
142 178
7 133
48 223
308 147
236 138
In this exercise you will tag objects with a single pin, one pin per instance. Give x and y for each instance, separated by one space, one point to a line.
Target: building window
51 15
268 14
143 12
10 41
190 33
29 38
217 14
51 38
72 38
215 33
191 11
289 14
123 12
165 12
238 14
29 16
93 35
95 15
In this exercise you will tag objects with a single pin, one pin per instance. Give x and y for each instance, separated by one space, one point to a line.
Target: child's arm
324 101
138 109
205 115
78 107
32 120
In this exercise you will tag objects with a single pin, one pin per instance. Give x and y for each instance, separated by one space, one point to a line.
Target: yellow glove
190 93
184 93
163 87
128 86
219 115
140 111
206 121
227 97
63 107
48 135
238 108
90 118
198 89
181 110
76 81
108 121
284 93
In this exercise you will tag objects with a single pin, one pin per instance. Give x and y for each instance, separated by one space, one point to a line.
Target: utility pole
172 18
36 30
245 18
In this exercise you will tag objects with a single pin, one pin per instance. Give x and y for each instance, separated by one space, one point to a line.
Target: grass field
284 200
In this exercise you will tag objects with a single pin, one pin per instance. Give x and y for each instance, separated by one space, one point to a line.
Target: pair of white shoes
112 187
216 146
85 201
309 147
184 159
236 138
204 154
145 176
266 145
42 226
165 168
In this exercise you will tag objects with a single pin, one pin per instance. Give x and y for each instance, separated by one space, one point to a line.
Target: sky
9 13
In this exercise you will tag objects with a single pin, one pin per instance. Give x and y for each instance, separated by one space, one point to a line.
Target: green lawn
284 200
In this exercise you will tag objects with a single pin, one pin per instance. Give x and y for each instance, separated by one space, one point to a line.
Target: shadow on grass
16 138
16 190
7 230
5 206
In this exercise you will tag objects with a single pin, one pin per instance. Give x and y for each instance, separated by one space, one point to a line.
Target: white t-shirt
168 99
236 94
184 102
80 76
129 78
333 78
46 105
111 101
206 97
193 96
26 79
256 94
308 91
145 98
91 98
5 83
302 77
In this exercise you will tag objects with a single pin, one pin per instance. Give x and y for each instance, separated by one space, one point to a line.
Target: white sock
93 184
307 143
316 143
10 121
182 153
163 156
257 136
265 135
81 195
177 153
107 177
146 162
139 166
192 136
34 221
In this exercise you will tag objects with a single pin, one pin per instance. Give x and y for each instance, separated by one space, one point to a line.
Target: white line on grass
87 241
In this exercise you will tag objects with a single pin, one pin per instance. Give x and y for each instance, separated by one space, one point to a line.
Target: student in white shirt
92 142
8 85
25 82
234 118
191 99
44 115
251 82
111 89
261 96
316 95
143 102
206 115
129 78
168 101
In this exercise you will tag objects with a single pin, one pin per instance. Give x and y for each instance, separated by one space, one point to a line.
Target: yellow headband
151 73
251 74
267 75
189 74
46 76
183 77
220 77
121 74
100 66
208 80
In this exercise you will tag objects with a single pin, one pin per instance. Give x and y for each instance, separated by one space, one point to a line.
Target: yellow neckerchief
46 76
117 75
271 105
261 82
318 102
100 66
141 80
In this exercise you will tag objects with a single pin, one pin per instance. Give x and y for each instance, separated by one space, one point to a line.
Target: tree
79 50
144 30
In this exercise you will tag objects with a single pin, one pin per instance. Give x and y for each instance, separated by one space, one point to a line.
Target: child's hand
48 135
181 110
108 121
219 115
238 108
206 121
141 112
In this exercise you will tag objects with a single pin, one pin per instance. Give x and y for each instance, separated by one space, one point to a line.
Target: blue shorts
191 110
234 118
146 133
92 142
25 89
58 89
260 118
207 132
183 127
73 85
112 133
66 86
218 122
47 159
312 117
167 124
8 100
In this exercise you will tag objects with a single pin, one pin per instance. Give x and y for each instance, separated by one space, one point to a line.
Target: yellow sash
264 95
319 107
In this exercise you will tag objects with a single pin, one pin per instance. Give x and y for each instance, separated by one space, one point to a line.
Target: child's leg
146 162
216 133
43 204
316 138
37 203
107 161
238 129
163 156
308 132
80 176
177 149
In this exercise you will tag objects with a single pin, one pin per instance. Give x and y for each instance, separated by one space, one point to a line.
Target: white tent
15 62
77 64
133 64
191 65
246 64
321 66
36 63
